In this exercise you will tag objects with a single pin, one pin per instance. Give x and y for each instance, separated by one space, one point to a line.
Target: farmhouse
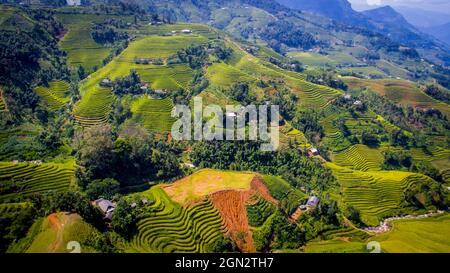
347 96
186 31
106 206
141 61
313 201
160 91
313 152
358 102
106 82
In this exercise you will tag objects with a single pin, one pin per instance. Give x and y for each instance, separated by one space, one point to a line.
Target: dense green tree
369 139
105 188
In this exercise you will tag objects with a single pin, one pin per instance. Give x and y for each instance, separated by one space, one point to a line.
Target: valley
87 152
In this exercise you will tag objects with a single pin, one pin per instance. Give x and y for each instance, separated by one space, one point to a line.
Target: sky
432 5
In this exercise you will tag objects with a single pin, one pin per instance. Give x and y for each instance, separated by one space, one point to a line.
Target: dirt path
56 225
57 222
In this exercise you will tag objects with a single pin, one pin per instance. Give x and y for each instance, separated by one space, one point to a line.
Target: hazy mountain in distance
340 10
387 15
423 18
393 24
441 32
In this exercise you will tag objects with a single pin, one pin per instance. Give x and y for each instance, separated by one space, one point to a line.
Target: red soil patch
54 221
232 207
258 185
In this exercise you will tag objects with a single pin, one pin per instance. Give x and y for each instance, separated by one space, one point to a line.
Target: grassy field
57 230
55 95
312 59
320 60
417 236
168 227
376 194
222 74
28 178
153 114
426 235
207 181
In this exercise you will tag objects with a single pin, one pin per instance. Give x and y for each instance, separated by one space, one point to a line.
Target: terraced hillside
2 101
399 91
347 240
20 179
291 135
197 29
435 155
55 95
18 141
78 43
376 194
153 114
230 192
258 210
359 157
244 67
6 208
168 227
94 107
96 101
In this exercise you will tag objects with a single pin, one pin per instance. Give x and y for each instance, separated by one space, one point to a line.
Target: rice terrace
90 163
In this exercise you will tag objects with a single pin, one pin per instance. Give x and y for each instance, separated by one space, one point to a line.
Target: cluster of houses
251 49
155 23
148 61
37 162
356 102
175 32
